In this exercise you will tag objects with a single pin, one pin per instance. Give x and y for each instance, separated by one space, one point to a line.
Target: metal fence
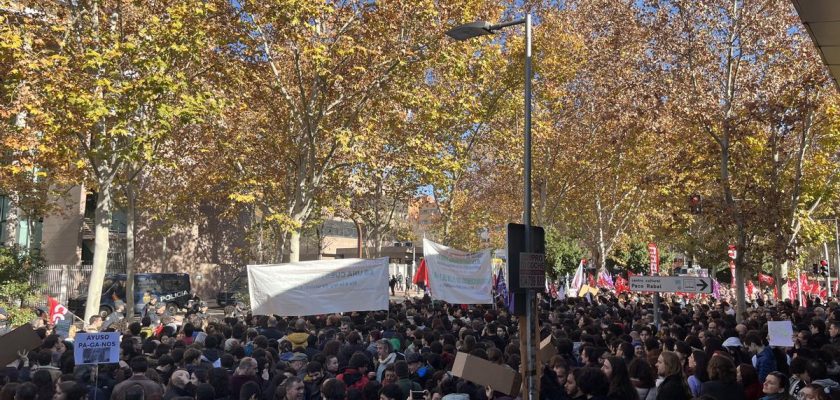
64 282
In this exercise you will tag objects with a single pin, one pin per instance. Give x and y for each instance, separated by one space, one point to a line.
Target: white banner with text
458 277
318 287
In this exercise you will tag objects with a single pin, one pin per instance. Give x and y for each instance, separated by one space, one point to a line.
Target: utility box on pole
516 250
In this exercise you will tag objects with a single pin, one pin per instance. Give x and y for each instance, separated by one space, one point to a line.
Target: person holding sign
765 361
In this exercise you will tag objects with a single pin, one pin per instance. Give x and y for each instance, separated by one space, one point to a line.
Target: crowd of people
606 348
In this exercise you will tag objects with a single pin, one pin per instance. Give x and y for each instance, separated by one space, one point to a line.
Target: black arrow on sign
705 285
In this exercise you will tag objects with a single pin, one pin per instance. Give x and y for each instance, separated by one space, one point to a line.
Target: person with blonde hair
674 386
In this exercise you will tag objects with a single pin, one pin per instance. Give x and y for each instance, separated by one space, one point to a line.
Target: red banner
653 252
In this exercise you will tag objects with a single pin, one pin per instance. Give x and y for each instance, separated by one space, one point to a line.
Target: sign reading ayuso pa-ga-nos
671 284
97 348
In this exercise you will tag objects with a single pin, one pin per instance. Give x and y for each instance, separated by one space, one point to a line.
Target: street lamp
481 28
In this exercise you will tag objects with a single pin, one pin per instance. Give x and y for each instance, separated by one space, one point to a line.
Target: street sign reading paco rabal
531 270
671 284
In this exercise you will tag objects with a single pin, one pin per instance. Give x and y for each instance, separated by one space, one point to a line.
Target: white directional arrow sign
671 284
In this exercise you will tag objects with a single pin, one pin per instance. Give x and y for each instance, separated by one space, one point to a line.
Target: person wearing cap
419 371
298 362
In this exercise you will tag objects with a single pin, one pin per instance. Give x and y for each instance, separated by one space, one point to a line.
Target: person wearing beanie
355 376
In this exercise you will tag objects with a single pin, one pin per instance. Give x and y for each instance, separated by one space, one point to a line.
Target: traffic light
695 204
815 268
823 267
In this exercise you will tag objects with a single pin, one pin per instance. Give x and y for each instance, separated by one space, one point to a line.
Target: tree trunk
780 274
129 250
102 222
294 246
11 227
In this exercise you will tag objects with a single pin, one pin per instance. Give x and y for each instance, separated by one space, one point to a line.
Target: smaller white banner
319 287
458 277
97 348
780 333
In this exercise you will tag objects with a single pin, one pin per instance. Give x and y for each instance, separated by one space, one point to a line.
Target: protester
408 351
722 384
620 386
673 387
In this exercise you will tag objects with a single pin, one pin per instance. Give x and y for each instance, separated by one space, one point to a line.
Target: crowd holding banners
607 347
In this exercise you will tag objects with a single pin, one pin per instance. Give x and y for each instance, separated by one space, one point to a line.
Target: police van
171 289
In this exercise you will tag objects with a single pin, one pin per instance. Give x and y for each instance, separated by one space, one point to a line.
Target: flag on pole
57 311
605 280
766 279
501 286
577 281
422 274
621 285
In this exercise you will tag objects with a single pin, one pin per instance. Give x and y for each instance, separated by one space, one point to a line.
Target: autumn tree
111 80
321 77
739 72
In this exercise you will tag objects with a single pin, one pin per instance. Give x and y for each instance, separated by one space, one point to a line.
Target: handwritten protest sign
97 348
781 333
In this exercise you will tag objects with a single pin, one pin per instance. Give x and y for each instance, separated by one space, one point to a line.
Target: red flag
621 285
57 311
766 279
422 274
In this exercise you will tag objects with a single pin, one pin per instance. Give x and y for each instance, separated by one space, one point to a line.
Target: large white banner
319 287
458 277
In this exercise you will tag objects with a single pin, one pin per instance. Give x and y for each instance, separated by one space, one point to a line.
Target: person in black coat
722 384
674 387
593 383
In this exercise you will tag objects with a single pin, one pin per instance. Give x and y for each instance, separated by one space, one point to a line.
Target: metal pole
827 267
837 243
529 246
799 287
657 314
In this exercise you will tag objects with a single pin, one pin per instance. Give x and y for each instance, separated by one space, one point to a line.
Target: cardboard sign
780 333
97 348
22 338
547 349
482 372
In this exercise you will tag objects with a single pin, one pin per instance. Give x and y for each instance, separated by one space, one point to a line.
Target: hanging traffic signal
695 204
